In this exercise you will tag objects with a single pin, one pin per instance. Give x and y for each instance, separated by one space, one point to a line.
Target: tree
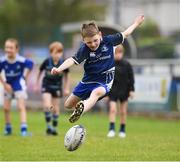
150 42
24 15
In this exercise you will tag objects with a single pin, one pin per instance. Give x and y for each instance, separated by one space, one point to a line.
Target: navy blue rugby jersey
49 80
14 71
99 64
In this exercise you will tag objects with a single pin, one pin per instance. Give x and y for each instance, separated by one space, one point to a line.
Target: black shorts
56 93
115 97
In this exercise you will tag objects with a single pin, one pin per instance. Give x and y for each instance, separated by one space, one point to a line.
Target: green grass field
147 139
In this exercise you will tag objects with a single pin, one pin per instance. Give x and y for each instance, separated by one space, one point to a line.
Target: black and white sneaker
77 112
48 131
54 133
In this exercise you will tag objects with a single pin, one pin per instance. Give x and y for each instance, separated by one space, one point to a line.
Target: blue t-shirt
99 64
14 71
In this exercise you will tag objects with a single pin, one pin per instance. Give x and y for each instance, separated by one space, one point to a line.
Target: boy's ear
100 33
82 38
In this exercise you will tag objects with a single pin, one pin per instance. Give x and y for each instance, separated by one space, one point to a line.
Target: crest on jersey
18 67
104 49
92 54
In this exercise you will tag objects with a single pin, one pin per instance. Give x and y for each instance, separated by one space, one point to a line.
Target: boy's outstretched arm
65 65
137 22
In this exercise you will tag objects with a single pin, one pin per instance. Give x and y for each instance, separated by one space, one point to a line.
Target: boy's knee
21 108
123 111
6 109
113 111
67 105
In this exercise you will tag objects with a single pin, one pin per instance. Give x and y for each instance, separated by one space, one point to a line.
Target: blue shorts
83 90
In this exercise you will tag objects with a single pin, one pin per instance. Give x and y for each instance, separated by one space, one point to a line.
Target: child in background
52 87
122 89
16 69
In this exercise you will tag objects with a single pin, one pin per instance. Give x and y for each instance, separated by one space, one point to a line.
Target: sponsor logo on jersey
104 49
92 54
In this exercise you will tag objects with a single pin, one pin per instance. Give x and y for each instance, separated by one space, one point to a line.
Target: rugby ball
74 137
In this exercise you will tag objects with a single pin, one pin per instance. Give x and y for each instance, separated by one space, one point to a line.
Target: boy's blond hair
89 29
56 45
15 41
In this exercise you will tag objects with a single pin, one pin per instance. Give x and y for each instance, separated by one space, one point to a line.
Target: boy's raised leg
86 105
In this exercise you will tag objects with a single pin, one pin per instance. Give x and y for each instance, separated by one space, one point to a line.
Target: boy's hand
131 94
139 20
8 88
36 88
55 71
